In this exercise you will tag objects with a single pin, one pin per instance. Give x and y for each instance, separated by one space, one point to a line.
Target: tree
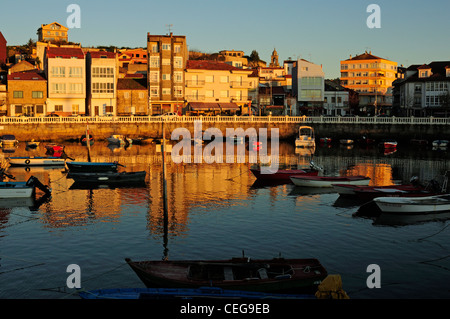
254 59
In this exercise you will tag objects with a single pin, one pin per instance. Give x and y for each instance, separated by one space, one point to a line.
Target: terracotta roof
424 67
31 75
364 56
132 84
102 54
211 65
66 53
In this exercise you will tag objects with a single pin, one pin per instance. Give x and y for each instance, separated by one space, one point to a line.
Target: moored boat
184 293
87 167
32 144
107 177
9 139
36 161
268 275
388 143
305 137
440 143
13 189
283 174
346 141
119 139
328 181
84 140
325 140
350 190
414 205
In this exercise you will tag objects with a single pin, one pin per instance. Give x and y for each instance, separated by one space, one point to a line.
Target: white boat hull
36 161
298 181
415 205
16 191
299 142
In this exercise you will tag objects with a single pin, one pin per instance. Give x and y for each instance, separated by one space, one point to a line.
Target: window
76 88
154 62
311 81
37 94
58 71
126 95
75 72
75 108
155 47
310 94
166 46
224 79
102 87
166 76
102 72
18 94
18 109
154 91
39 108
178 91
58 88
141 95
177 48
223 93
178 77
209 79
166 91
58 108
178 62
154 76
339 99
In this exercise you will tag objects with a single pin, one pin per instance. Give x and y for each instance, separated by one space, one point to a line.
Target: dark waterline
215 212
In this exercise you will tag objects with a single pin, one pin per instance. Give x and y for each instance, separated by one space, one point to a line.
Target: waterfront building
424 90
216 87
53 32
65 70
132 96
3 52
3 96
27 93
308 87
167 56
234 58
372 77
336 99
101 75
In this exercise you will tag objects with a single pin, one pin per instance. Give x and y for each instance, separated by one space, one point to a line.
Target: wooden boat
350 190
184 293
9 139
414 205
12 189
440 143
305 137
328 181
283 174
83 139
107 177
275 275
119 139
36 161
388 143
346 141
55 150
88 167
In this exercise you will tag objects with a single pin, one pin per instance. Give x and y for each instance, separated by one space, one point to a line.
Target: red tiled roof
65 53
102 54
424 67
211 65
364 56
32 75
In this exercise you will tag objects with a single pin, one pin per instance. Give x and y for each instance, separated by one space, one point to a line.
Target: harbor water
218 211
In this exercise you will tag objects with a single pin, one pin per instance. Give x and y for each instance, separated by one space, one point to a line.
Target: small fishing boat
283 174
107 177
36 161
350 190
440 143
12 189
305 137
83 139
184 293
346 141
119 139
55 150
325 140
388 143
9 139
88 167
263 275
414 205
328 181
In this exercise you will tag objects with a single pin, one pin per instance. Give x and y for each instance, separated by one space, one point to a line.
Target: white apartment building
65 69
102 73
308 85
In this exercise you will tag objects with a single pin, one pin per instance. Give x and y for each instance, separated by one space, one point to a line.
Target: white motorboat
440 143
414 205
305 137
328 181
36 161
22 189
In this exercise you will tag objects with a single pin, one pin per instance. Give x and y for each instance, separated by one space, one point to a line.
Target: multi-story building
3 96
3 52
53 32
132 97
234 58
27 93
101 78
372 78
425 90
167 57
308 86
65 70
336 99
216 87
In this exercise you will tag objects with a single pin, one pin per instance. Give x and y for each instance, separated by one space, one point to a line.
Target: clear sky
322 31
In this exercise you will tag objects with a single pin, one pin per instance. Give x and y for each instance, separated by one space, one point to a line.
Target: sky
321 31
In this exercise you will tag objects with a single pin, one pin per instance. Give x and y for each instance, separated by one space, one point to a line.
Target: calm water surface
216 211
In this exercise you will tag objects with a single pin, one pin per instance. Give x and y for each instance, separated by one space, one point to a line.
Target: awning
202 106
229 106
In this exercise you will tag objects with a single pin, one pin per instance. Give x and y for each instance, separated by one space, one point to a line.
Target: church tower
274 60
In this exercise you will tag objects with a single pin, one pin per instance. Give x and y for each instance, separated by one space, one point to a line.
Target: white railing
226 119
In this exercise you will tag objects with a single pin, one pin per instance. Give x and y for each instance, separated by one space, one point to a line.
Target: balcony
195 83
240 84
